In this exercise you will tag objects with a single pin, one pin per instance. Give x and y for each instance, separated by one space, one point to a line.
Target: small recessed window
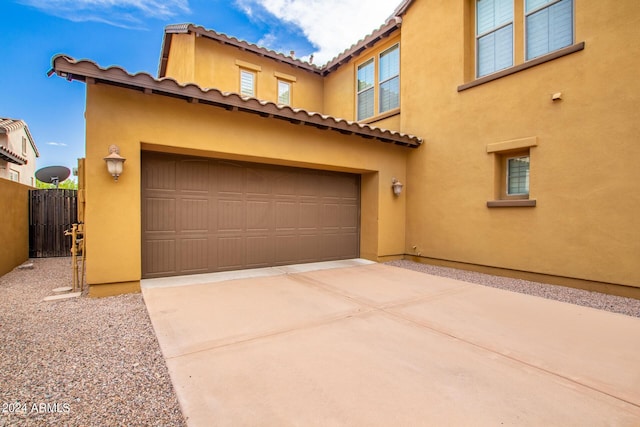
247 83
24 146
517 176
284 92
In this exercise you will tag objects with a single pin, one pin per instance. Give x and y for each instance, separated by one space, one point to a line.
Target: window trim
290 87
253 81
502 152
24 145
375 60
494 30
381 82
538 9
507 172
577 47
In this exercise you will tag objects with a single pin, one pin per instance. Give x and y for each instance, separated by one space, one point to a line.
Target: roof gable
11 125
393 23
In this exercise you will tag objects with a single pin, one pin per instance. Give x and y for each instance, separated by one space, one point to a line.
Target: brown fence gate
51 212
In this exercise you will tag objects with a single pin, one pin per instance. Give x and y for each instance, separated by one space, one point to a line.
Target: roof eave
89 71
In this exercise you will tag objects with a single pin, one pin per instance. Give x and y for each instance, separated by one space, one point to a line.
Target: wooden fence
51 212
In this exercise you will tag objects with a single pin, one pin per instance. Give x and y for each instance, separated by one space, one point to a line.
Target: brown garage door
204 215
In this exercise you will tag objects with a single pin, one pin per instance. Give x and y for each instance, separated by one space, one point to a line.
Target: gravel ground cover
628 306
78 362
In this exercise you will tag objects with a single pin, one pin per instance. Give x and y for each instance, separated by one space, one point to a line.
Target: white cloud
121 13
331 25
57 144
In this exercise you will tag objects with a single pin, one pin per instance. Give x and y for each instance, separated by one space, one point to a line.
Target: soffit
89 71
10 156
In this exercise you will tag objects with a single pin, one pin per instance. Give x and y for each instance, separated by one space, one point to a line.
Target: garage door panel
258 182
159 258
230 178
194 215
193 176
231 215
309 216
194 255
259 215
159 174
231 252
286 249
287 215
205 215
259 251
349 217
161 214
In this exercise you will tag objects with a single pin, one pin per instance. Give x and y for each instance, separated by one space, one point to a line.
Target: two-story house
18 152
512 125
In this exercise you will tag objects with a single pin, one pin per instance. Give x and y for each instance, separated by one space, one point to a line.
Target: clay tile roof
89 71
393 23
228 40
10 156
10 125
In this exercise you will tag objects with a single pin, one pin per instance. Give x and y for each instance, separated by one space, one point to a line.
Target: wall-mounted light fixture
115 162
397 186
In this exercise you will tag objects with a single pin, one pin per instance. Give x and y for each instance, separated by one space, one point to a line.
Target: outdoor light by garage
115 162
397 186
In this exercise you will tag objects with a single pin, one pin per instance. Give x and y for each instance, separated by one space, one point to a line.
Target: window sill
523 203
525 66
381 116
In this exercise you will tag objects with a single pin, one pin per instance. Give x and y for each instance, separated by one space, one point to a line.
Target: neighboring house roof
10 125
10 156
89 71
382 32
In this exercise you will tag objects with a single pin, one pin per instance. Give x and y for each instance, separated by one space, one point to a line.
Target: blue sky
128 33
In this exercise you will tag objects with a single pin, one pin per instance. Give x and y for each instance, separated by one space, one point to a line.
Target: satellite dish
53 174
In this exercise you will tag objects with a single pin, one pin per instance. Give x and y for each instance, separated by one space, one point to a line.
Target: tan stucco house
18 152
513 126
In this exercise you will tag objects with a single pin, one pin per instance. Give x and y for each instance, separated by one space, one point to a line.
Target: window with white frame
247 83
14 175
549 26
517 169
366 89
24 146
494 35
284 92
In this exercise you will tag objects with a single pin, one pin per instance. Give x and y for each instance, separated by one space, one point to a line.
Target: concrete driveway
357 343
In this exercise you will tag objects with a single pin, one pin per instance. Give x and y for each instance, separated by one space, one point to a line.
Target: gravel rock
80 361
616 304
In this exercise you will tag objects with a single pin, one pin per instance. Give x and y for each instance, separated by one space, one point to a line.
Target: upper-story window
247 83
284 92
381 94
494 35
389 74
24 146
549 26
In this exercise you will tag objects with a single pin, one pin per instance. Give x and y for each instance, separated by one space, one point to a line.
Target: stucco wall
584 171
136 121
14 217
